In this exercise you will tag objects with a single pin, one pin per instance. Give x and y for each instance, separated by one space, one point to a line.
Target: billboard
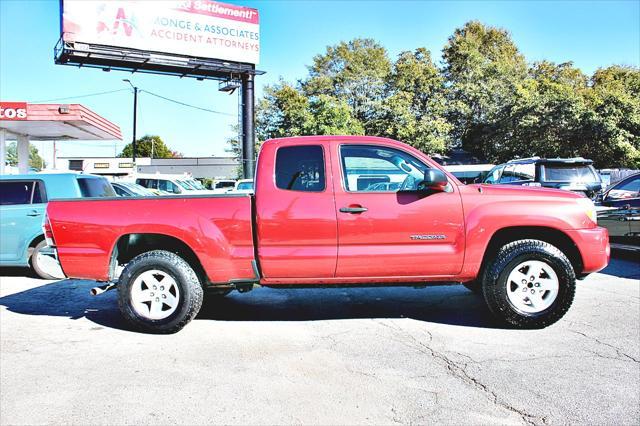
192 28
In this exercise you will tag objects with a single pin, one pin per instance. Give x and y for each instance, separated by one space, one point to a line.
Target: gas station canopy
24 122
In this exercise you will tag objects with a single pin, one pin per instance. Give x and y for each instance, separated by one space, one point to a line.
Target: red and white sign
13 111
200 28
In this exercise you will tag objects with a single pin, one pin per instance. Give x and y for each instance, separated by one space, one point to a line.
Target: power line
80 96
185 104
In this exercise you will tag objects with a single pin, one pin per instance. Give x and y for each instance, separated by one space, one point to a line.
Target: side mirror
434 180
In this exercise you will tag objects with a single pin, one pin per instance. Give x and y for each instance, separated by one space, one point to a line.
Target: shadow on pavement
443 304
66 298
623 264
453 305
16 271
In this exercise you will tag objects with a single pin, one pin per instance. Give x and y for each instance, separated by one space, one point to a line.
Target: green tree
544 117
482 68
331 116
283 111
150 146
415 107
35 160
286 111
612 125
354 72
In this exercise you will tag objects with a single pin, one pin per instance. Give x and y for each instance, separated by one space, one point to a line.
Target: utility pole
135 111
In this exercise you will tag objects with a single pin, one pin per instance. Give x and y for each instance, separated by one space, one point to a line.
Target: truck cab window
300 168
380 169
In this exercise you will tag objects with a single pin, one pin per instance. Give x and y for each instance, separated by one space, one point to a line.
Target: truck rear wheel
159 292
529 284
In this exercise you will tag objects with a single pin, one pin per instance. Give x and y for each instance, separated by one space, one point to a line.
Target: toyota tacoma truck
334 211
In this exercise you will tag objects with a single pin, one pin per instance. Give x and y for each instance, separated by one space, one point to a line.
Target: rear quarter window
298 168
95 187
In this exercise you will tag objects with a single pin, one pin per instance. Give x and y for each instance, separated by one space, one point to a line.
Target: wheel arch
32 245
131 245
549 235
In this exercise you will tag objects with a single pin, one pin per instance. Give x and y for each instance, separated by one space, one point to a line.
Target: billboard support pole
248 130
135 119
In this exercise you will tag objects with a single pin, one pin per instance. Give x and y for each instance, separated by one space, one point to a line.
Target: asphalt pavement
320 356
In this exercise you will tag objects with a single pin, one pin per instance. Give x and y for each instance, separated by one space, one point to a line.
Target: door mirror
434 180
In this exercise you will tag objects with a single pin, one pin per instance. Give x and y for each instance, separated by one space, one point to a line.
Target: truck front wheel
529 284
159 292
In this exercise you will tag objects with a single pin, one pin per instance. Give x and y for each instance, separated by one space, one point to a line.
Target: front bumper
594 248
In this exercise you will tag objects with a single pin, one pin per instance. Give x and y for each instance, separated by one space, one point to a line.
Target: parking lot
322 356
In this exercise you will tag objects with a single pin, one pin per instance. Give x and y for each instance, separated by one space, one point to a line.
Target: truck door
391 229
295 211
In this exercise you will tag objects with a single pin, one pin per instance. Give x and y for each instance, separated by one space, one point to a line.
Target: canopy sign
13 111
191 28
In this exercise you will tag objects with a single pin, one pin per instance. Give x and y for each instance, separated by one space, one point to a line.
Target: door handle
34 213
353 210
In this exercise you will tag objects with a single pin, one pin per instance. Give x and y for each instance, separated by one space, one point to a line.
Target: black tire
474 286
494 283
33 261
190 291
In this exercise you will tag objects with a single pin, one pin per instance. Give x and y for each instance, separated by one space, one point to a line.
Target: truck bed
217 228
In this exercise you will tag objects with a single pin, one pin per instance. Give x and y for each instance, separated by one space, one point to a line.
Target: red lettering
120 16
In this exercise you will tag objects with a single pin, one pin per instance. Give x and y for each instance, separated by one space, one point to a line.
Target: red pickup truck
332 211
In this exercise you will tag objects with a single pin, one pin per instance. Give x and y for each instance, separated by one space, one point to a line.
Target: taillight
48 233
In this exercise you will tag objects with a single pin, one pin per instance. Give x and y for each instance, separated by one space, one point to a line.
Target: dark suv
572 174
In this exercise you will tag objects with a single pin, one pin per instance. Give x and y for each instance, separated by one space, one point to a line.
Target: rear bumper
594 248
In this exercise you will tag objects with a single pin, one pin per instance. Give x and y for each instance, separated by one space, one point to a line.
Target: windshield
569 173
626 189
137 189
243 186
95 187
196 184
228 184
185 185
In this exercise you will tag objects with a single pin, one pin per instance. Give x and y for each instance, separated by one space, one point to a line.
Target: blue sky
592 34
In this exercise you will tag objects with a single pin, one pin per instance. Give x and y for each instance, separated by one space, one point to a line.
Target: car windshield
569 173
137 189
196 184
95 187
243 186
185 185
228 184
625 189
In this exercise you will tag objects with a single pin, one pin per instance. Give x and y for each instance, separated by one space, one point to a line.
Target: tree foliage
35 160
484 97
149 146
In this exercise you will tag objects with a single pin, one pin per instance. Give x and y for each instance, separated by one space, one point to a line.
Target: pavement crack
619 351
460 372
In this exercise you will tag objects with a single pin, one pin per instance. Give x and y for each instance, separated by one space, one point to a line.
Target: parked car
243 186
130 189
170 184
23 199
222 186
619 211
573 174
469 173
310 224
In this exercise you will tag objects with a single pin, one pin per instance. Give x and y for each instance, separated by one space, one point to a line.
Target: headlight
589 209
